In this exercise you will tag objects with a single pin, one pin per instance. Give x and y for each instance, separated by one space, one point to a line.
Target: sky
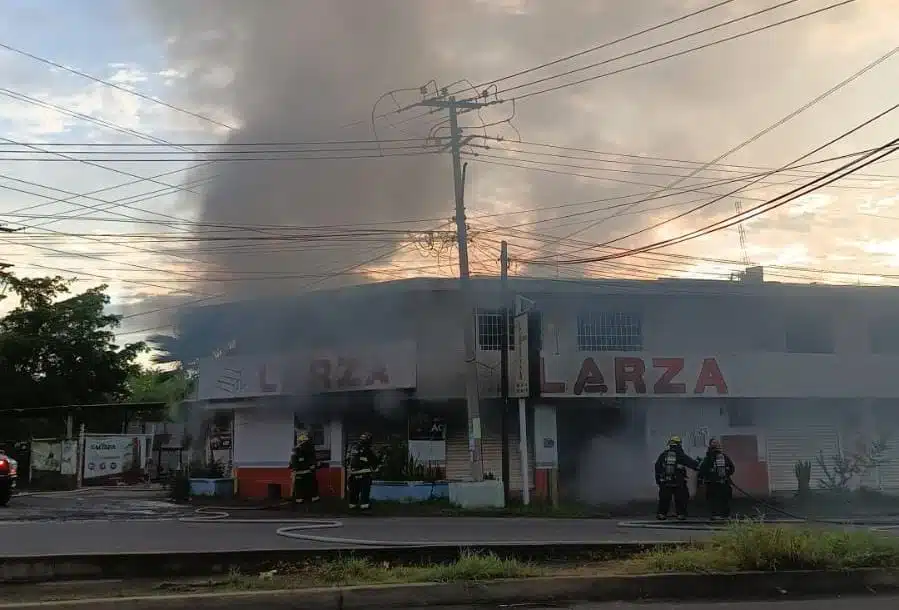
543 172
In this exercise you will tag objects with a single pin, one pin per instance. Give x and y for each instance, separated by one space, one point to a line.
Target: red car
8 473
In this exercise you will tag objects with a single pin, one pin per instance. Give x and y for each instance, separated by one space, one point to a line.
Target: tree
61 351
168 387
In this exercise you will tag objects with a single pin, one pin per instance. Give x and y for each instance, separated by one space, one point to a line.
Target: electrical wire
813 102
112 85
886 149
642 50
606 45
733 37
232 159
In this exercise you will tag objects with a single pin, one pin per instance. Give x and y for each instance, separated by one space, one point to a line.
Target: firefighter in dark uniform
303 463
361 465
671 477
715 473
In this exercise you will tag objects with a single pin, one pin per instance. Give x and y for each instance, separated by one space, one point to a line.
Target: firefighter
303 463
715 473
361 463
671 477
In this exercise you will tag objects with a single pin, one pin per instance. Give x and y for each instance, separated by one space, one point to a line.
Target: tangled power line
697 184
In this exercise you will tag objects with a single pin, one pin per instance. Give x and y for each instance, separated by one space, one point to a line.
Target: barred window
490 324
609 332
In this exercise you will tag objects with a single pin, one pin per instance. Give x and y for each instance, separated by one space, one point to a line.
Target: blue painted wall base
219 488
409 491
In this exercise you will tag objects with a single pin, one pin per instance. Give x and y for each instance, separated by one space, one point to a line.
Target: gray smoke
612 471
296 70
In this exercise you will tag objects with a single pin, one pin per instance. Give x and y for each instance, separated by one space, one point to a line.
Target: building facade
782 373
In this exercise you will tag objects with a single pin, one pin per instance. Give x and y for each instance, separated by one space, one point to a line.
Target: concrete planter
481 494
408 491
219 488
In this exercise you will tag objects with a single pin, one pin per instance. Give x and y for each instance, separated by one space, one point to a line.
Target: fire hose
300 528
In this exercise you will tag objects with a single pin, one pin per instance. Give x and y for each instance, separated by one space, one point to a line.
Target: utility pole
469 319
504 363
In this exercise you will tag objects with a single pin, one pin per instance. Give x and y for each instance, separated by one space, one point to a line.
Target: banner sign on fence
112 456
68 462
45 456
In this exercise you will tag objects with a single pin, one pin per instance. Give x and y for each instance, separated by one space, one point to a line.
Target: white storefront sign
377 367
519 362
239 377
382 367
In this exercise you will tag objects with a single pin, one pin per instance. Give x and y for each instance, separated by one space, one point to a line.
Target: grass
749 546
349 571
745 546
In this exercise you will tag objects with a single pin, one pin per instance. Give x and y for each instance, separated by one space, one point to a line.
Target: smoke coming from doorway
613 471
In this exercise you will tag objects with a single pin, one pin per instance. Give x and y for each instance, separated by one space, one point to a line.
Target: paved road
99 521
62 538
848 603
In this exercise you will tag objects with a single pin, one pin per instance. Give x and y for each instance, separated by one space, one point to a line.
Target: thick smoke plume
297 70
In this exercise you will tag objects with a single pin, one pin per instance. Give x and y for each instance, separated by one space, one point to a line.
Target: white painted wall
263 437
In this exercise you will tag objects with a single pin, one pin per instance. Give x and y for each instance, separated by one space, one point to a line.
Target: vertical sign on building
519 369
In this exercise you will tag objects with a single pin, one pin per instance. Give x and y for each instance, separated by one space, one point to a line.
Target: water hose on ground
297 528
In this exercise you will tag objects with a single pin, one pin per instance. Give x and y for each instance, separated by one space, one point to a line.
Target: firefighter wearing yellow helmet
671 477
303 463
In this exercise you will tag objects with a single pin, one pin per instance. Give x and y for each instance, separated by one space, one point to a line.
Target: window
316 432
809 334
609 332
490 324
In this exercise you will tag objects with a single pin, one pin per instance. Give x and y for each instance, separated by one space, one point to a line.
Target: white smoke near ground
613 471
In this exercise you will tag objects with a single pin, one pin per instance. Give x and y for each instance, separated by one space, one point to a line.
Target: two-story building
780 372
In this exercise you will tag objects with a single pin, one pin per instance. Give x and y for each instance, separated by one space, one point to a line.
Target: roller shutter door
786 446
457 464
887 473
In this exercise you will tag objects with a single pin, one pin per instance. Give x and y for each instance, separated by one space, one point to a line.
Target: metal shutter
786 446
457 464
887 475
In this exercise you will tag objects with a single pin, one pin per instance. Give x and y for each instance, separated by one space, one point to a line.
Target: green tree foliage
169 387
57 349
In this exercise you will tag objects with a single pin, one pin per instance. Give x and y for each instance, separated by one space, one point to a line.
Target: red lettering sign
590 379
710 376
630 375
665 383
629 370
348 374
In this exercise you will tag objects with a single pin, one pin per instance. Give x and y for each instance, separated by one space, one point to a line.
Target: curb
101 566
740 586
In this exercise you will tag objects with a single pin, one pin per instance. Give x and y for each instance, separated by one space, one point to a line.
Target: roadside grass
469 567
349 571
751 546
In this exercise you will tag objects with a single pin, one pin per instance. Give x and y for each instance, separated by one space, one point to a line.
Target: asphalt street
846 603
107 521
99 521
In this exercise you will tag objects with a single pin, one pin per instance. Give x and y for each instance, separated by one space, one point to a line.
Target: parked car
8 474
